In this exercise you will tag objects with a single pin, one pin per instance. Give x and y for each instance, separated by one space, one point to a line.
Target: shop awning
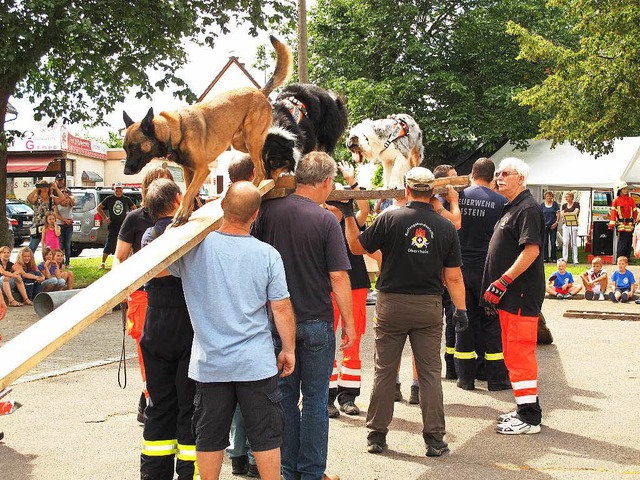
89 176
24 164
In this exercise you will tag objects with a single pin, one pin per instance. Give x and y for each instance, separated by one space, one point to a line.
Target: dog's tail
284 67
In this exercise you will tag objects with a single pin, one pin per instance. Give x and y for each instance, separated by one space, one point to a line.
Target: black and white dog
395 141
305 118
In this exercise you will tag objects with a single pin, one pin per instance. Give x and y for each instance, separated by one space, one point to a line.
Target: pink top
51 240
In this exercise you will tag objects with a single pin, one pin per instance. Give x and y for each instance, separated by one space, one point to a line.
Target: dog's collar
297 109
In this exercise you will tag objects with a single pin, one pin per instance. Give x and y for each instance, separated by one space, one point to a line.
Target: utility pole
303 67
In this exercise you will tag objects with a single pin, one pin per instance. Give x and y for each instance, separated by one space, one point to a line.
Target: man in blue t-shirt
624 283
232 358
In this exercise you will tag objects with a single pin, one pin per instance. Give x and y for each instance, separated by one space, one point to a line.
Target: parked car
21 216
89 230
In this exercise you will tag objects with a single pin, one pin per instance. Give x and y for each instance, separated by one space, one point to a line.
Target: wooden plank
44 337
440 186
624 316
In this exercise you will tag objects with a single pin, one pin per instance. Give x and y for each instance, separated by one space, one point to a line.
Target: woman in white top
569 214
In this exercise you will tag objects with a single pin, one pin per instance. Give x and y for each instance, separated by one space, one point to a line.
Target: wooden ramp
625 316
44 337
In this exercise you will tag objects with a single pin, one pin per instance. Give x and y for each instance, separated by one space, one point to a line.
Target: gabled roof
233 62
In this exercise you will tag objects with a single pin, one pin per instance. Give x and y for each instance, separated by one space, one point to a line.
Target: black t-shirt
117 208
358 273
134 226
416 244
8 268
521 223
480 209
311 244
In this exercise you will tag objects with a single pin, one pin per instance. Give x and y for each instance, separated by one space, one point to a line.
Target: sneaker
612 297
253 471
371 297
515 426
240 465
567 295
624 298
505 417
376 442
414 398
350 408
398 395
435 448
638 301
101 266
333 411
588 295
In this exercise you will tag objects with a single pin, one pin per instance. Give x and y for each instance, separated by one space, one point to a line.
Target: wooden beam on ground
44 337
624 316
286 186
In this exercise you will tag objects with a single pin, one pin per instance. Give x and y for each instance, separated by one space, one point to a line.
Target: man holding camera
43 199
419 248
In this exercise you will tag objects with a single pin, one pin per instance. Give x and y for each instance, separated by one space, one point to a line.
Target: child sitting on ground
624 283
561 282
595 280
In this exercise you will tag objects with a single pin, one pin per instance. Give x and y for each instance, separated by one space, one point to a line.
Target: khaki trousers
397 317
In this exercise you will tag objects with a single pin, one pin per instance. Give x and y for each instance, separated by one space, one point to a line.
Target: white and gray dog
395 141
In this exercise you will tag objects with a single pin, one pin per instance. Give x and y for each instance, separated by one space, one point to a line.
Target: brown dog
196 135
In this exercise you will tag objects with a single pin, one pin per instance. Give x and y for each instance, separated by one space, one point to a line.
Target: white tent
565 167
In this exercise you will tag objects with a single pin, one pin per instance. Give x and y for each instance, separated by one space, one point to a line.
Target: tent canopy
567 167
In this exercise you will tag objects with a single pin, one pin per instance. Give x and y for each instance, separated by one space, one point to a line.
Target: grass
87 270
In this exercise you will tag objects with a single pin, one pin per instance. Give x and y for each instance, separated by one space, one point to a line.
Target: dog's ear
127 119
146 125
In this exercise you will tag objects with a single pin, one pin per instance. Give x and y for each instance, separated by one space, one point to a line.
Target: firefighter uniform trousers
166 348
624 214
345 383
482 335
519 340
136 313
449 335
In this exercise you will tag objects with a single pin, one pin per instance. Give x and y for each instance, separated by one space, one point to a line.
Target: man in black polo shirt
118 205
481 208
418 247
514 284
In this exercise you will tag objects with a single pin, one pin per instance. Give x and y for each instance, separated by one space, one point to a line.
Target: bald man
228 280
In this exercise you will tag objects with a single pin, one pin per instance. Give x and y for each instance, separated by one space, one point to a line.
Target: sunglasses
504 174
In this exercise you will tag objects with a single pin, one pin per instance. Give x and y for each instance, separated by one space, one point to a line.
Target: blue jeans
239 445
34 241
306 433
550 238
66 231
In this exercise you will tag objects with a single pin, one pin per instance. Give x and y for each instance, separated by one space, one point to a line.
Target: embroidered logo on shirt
419 239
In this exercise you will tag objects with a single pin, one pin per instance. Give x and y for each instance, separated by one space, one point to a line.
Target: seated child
595 280
561 282
624 283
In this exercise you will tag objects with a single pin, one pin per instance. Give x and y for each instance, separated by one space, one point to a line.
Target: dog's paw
180 218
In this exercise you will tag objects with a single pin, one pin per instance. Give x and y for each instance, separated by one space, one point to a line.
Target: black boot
450 373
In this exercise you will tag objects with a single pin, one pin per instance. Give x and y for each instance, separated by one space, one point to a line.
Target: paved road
82 425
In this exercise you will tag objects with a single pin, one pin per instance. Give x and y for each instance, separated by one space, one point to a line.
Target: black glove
491 311
346 208
460 320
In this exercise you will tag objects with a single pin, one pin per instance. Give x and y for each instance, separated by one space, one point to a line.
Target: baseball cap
59 176
420 178
117 185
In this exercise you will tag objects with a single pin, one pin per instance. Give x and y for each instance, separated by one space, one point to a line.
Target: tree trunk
303 67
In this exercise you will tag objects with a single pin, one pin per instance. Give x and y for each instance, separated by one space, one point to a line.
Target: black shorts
112 238
260 405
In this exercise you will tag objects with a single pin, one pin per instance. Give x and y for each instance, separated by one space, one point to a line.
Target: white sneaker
505 417
516 426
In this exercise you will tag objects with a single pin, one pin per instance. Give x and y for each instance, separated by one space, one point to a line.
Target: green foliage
591 95
449 64
377 180
78 59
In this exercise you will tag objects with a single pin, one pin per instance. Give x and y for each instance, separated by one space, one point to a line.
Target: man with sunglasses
513 283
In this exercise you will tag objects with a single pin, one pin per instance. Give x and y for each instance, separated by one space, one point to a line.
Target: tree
81 58
450 64
591 95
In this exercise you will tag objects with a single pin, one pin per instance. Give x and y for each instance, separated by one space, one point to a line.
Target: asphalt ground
76 422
